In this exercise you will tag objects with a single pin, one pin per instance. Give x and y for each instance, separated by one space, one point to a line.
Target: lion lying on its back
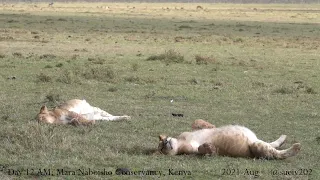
232 140
76 112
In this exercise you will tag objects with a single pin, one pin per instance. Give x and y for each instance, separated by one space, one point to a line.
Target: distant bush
310 90
185 27
194 81
284 90
132 79
238 40
169 56
106 74
59 65
48 66
204 60
135 66
48 56
199 7
299 88
112 89
96 60
77 74
43 78
62 19
68 77
17 54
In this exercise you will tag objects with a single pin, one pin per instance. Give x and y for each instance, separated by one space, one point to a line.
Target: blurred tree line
180 1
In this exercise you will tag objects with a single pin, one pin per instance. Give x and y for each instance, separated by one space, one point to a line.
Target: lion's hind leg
207 148
110 118
279 142
100 114
262 149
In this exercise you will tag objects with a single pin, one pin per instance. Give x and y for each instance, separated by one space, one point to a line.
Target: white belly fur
199 137
83 108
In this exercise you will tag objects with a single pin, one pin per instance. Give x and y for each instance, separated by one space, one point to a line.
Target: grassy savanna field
253 65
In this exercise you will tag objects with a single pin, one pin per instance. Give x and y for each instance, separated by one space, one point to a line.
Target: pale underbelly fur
81 107
230 140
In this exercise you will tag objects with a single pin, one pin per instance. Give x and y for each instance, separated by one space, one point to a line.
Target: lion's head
46 116
168 145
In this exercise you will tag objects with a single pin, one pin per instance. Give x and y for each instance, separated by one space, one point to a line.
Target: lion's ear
44 109
162 137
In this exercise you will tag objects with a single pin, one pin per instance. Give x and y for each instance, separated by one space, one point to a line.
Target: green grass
238 67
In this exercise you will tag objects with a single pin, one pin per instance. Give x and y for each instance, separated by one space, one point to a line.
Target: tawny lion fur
231 140
76 112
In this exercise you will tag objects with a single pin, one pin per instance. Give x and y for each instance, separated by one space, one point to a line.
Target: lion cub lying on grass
76 112
232 140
